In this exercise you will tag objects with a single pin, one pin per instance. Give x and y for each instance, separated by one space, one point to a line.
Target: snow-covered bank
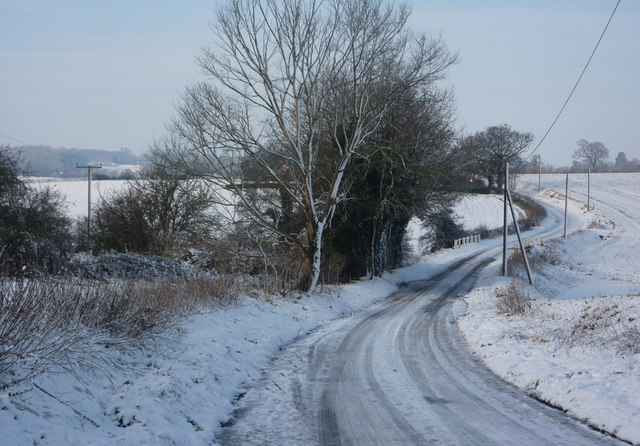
180 389
471 211
578 346
177 391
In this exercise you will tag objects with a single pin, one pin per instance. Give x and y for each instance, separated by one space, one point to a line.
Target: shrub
9 170
35 233
131 266
629 340
534 211
35 330
442 228
158 214
514 299
606 324
539 258
120 223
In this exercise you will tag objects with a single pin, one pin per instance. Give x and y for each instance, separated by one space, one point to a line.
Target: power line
577 82
13 139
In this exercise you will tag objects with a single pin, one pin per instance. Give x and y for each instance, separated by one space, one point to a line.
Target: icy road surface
400 373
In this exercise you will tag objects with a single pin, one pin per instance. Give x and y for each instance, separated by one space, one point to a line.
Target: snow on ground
472 211
76 192
179 389
482 211
578 346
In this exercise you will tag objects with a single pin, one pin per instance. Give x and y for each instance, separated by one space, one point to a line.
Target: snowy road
399 374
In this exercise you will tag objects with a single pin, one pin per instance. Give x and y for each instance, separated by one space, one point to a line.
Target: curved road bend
399 374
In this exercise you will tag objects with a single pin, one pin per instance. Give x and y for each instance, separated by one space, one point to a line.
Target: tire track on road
400 374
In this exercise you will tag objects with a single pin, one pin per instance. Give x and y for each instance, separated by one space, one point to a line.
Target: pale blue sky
107 74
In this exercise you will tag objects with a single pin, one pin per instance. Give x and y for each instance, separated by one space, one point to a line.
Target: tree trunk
312 261
372 253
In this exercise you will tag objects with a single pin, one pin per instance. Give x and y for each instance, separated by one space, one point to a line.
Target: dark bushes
158 214
534 211
131 266
35 234
442 229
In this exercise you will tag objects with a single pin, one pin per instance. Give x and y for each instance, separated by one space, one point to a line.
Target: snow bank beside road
578 347
562 352
179 390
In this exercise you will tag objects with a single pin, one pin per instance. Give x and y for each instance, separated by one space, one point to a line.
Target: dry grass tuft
42 322
608 326
629 340
535 212
514 299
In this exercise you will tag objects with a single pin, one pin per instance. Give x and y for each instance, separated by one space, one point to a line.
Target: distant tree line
588 155
45 161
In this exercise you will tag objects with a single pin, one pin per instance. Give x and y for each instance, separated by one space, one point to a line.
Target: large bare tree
294 92
590 153
490 149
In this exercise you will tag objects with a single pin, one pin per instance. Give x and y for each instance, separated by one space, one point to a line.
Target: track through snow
618 196
399 374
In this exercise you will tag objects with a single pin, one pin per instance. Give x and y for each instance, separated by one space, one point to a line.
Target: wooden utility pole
566 199
589 189
89 166
515 223
539 172
504 223
507 197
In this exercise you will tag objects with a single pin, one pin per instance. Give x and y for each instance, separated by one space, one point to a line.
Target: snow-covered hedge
132 266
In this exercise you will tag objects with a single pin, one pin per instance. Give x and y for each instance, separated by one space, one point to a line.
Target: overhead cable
577 82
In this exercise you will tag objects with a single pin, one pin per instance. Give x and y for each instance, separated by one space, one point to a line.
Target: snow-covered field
472 212
578 346
482 211
76 192
180 389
